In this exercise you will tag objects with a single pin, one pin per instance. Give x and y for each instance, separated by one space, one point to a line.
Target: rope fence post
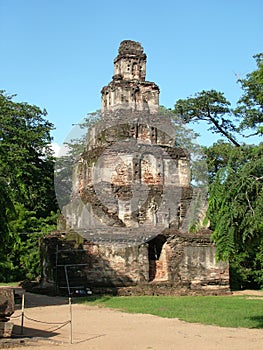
67 280
22 314
70 321
56 325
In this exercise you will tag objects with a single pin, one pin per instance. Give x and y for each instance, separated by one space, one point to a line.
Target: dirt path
99 329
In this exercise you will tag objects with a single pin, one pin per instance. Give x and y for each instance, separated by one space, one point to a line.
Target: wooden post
56 272
70 321
67 280
22 314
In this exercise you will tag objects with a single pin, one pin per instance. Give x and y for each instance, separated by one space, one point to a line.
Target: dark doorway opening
157 268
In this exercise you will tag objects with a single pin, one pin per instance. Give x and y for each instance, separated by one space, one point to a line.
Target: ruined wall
171 263
129 175
193 263
117 266
91 264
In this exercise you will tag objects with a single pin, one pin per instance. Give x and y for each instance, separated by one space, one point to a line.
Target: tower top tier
130 47
128 88
130 64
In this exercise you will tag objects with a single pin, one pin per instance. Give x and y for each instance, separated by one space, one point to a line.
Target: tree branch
226 134
249 204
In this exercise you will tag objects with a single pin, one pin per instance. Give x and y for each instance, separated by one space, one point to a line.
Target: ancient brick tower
132 203
128 89
131 175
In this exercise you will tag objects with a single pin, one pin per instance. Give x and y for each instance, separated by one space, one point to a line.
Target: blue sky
58 54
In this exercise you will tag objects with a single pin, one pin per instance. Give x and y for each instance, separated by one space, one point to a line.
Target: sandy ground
106 329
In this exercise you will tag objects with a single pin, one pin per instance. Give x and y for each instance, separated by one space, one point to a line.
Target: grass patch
234 311
9 284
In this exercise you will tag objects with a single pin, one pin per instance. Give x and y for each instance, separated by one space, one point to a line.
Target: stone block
6 329
7 304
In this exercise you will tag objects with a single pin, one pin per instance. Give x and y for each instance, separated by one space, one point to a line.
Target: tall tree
211 107
220 155
235 211
235 174
250 105
26 182
26 161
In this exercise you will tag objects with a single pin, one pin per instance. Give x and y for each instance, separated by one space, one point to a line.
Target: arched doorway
158 270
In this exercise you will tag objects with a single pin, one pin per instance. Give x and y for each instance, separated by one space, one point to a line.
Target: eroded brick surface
132 202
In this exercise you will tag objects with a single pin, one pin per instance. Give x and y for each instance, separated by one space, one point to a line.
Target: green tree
187 139
222 154
26 232
71 153
235 211
26 161
250 105
211 107
26 182
235 175
7 208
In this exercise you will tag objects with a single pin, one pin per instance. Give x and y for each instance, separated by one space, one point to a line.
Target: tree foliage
26 161
235 174
235 212
220 155
211 107
250 105
71 152
27 195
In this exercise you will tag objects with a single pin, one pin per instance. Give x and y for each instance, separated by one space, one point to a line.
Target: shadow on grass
92 299
258 320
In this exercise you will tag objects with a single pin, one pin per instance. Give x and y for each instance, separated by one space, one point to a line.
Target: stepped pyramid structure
132 204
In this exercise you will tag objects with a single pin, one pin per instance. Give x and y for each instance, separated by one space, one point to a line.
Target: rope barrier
13 317
34 320
35 334
63 325
38 321
50 329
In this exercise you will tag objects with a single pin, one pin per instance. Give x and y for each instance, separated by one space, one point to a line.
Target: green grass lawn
9 284
228 311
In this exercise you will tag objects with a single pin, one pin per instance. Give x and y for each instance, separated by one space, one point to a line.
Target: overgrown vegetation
27 197
235 211
235 175
231 311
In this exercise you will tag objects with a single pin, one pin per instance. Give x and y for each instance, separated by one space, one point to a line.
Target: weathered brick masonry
127 223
